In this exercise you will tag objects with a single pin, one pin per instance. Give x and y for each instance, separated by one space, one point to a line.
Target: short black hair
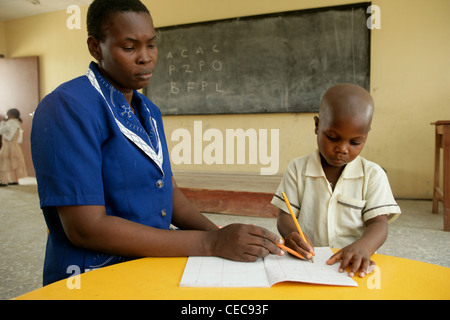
101 11
14 113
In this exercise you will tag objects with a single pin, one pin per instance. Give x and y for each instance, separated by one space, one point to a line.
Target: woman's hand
241 242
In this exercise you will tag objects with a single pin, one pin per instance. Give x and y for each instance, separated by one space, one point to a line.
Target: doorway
19 88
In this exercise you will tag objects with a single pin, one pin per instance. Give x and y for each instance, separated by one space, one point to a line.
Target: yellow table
159 278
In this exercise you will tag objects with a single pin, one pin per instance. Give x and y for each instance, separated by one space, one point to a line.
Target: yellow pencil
295 253
295 219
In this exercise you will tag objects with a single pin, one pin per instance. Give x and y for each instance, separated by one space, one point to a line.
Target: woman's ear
94 48
316 124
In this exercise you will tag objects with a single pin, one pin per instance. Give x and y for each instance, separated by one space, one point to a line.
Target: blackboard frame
200 109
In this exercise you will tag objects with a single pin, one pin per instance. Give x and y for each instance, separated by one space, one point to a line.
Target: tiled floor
417 234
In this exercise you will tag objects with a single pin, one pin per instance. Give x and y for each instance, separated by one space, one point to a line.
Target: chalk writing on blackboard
194 64
280 62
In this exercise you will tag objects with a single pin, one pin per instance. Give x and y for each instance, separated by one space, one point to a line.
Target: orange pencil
295 219
295 253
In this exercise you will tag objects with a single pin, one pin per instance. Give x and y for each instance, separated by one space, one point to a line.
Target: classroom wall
409 81
2 38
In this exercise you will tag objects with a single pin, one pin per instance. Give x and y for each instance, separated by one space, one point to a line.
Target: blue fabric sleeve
66 143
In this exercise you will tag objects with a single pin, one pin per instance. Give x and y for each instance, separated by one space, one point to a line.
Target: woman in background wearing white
12 161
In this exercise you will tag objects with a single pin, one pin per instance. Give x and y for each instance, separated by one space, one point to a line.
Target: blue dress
88 148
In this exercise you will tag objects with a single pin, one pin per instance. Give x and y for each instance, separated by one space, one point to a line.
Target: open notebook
219 272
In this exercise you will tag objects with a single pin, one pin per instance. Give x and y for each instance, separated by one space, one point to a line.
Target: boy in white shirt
341 199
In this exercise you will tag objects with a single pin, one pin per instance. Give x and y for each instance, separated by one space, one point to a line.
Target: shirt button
163 212
159 184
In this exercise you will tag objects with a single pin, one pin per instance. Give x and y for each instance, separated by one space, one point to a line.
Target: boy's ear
316 124
94 48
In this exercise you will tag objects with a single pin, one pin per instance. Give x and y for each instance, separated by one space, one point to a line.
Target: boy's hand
357 257
243 242
294 241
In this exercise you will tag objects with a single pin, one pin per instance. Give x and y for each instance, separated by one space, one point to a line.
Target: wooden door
19 88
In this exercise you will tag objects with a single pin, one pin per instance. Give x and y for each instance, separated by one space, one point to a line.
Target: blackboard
273 63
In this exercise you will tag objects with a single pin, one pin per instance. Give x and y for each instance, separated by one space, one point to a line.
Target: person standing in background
12 161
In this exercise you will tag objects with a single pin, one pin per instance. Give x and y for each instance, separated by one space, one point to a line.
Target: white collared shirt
9 128
335 218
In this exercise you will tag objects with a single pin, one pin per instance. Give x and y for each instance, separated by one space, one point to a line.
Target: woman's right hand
242 242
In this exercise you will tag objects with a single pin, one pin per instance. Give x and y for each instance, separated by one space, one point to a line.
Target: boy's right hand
241 242
294 241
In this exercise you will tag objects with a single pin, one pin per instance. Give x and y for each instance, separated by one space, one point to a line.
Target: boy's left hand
357 257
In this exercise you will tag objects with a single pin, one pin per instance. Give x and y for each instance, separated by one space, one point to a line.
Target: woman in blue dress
104 178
